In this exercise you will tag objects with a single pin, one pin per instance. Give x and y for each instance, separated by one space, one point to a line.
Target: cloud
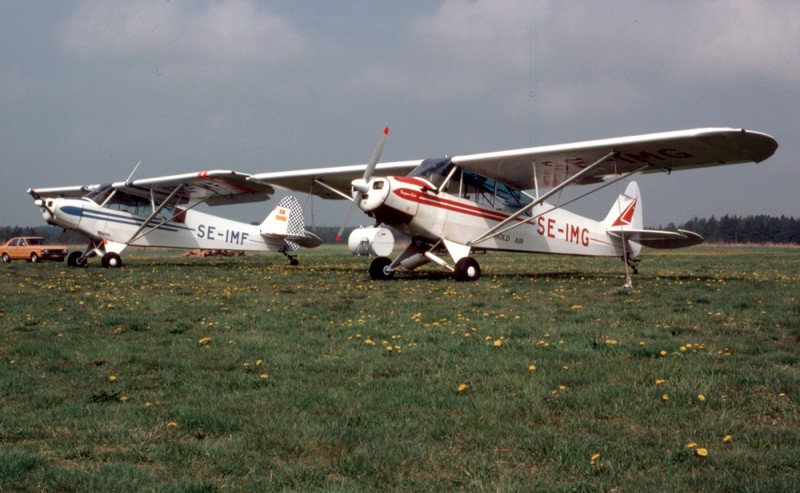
230 31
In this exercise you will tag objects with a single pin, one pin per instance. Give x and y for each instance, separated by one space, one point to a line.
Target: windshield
100 194
433 170
488 191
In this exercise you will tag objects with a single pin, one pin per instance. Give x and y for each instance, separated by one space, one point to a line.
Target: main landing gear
466 269
96 248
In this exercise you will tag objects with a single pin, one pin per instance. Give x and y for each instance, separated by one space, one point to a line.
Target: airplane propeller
361 185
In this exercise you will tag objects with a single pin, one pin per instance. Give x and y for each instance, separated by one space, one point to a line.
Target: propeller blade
376 155
362 186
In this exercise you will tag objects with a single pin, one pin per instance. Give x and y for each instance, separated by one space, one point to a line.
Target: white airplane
159 212
493 201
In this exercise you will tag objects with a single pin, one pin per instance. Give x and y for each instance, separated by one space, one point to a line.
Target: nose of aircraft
61 212
373 193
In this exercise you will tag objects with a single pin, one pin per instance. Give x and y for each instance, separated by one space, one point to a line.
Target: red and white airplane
494 201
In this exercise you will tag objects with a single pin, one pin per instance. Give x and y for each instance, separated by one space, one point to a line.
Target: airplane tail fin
286 221
626 213
624 221
626 216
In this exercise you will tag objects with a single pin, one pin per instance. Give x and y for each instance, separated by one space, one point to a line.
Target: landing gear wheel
378 271
6 258
293 260
467 270
74 260
111 260
34 258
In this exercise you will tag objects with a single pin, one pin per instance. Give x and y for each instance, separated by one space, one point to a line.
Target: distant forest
745 229
727 229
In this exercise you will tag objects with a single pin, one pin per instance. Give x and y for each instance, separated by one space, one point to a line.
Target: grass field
246 374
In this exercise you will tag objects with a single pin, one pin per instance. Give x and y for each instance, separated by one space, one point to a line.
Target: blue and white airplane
159 212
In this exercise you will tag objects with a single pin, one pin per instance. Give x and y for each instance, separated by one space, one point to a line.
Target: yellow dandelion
172 424
665 397
259 362
663 353
727 439
595 457
112 378
497 343
462 387
691 445
701 452
264 376
532 368
701 398
205 341
660 381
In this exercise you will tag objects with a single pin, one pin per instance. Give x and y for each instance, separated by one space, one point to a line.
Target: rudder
626 213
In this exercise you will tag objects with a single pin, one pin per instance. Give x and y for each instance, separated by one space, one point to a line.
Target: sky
88 88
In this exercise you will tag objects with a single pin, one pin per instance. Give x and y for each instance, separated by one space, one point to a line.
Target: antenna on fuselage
134 170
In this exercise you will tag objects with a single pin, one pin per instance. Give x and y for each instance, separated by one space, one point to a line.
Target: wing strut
334 190
577 176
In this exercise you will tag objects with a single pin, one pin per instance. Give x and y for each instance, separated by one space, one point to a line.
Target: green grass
293 386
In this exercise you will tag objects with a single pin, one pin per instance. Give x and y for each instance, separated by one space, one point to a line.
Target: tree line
761 229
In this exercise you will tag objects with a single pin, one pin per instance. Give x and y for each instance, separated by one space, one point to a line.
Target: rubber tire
111 260
6 258
35 258
467 270
377 269
74 260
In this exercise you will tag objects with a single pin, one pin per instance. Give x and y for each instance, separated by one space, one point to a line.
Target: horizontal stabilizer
652 238
308 240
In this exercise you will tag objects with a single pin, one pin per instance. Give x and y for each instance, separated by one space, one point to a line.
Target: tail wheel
74 260
467 270
111 260
378 269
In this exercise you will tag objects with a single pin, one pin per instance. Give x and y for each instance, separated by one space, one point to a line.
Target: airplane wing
659 152
218 187
338 178
69 191
552 165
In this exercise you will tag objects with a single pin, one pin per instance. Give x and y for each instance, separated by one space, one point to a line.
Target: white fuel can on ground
371 241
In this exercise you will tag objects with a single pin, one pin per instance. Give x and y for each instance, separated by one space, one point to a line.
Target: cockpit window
121 201
488 191
471 185
433 170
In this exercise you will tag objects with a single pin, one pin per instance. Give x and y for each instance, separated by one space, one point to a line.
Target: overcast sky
88 88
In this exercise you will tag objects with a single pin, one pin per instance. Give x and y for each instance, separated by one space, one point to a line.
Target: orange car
32 249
